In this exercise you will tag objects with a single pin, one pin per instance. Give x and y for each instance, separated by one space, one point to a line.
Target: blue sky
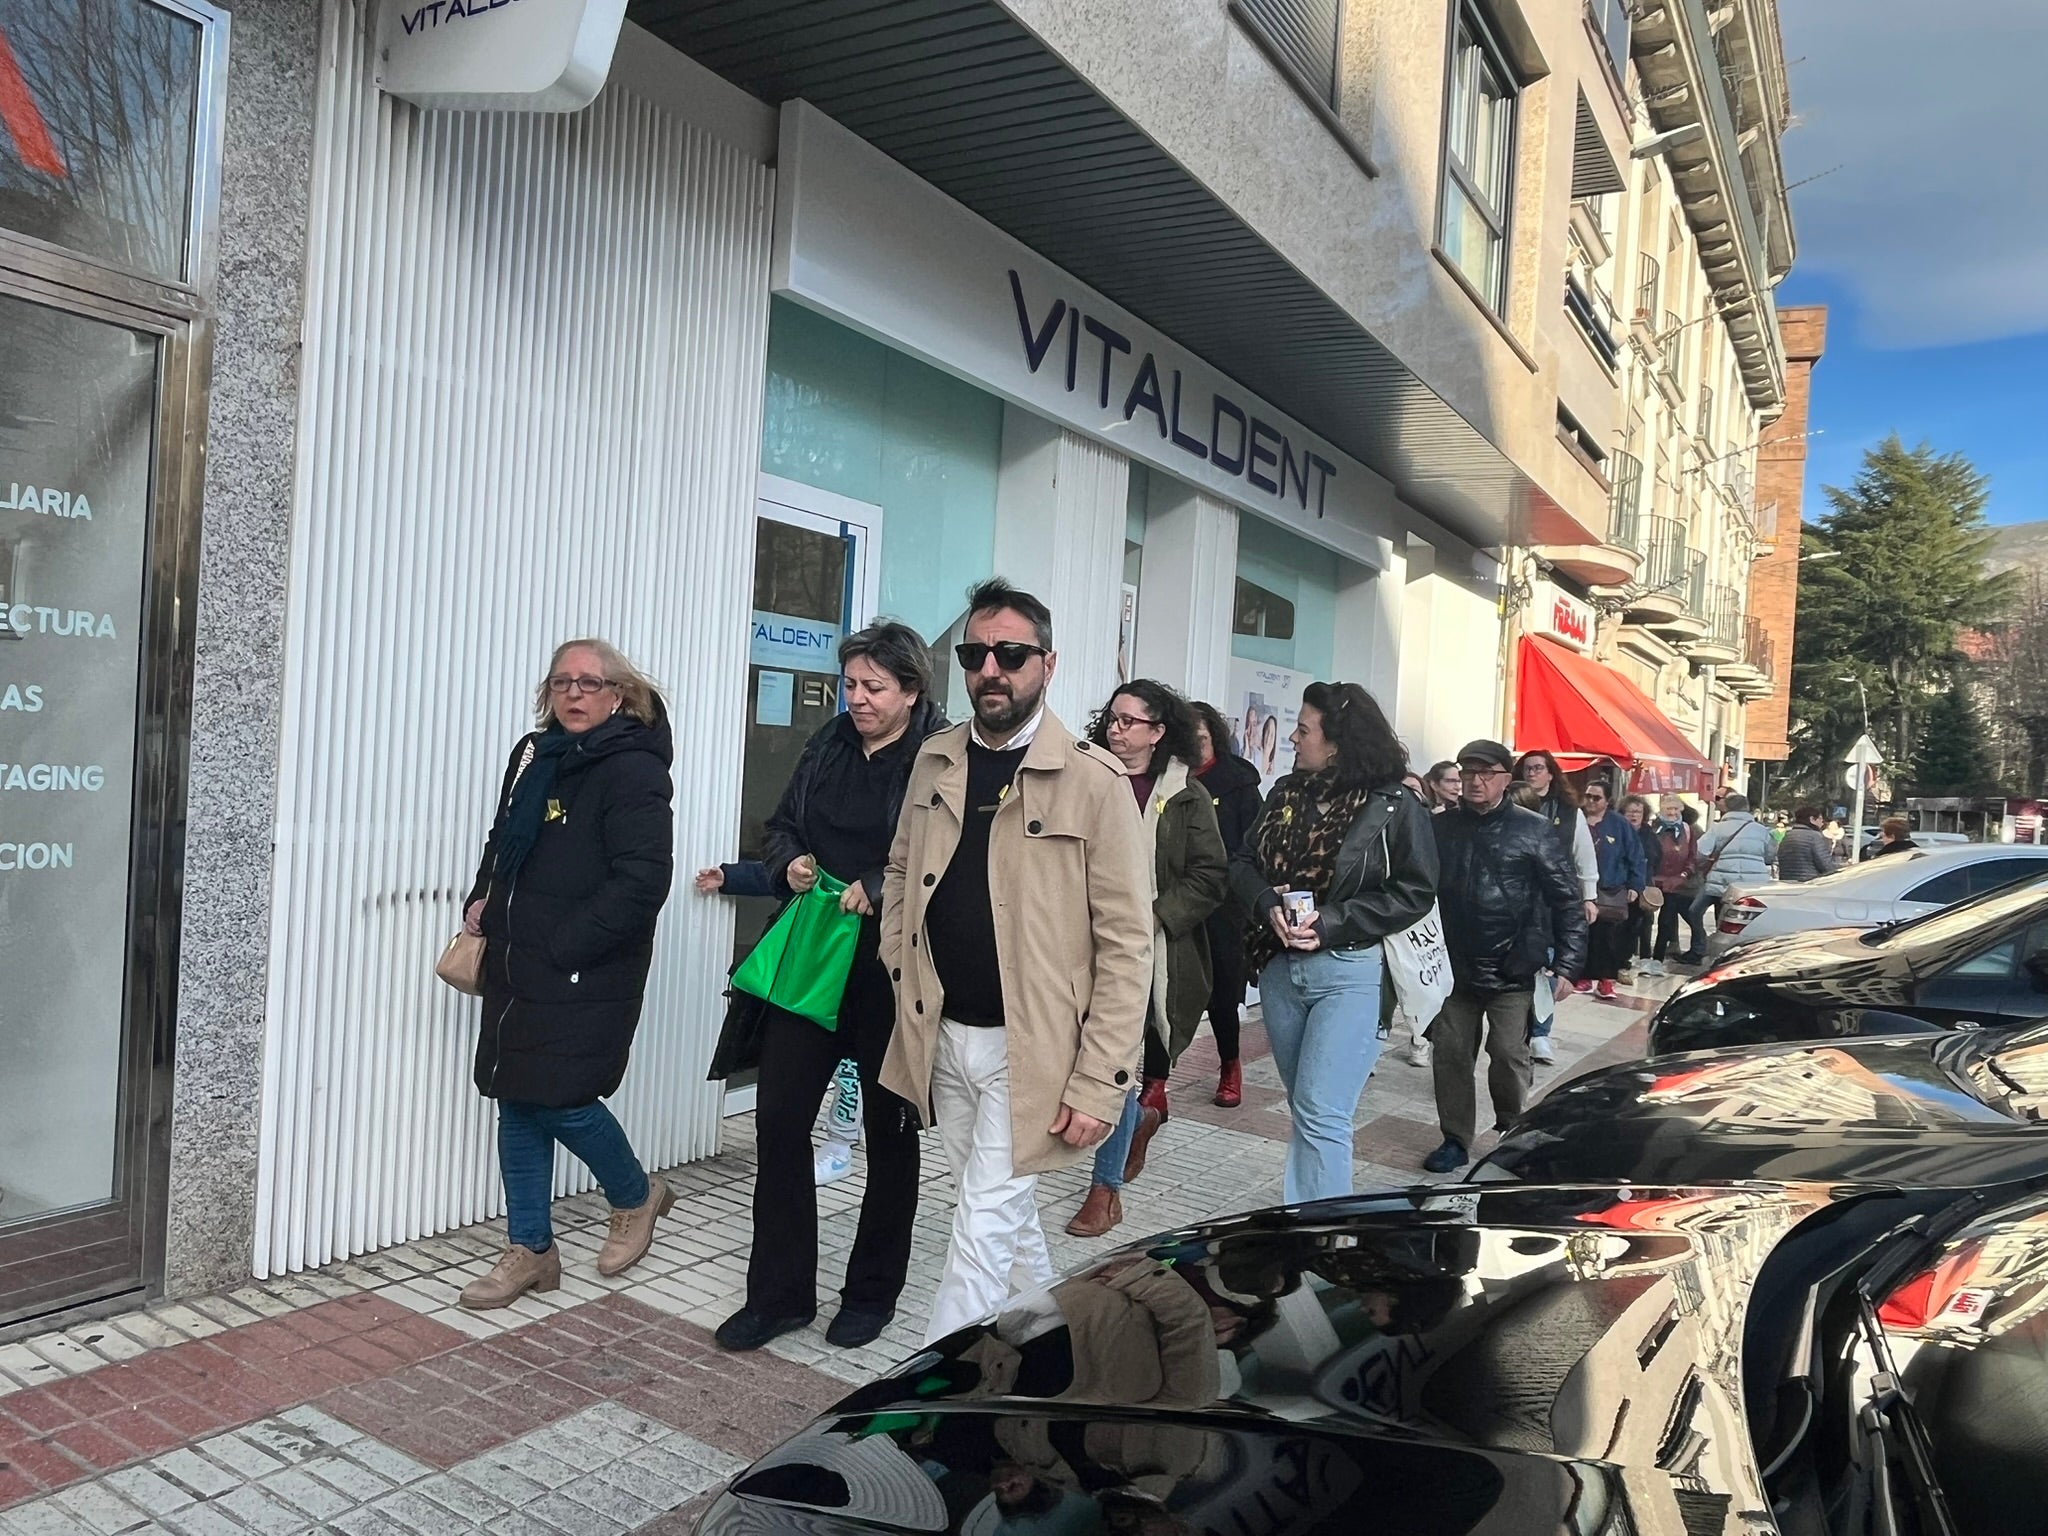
1924 228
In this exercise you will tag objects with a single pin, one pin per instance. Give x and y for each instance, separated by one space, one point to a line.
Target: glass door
816 578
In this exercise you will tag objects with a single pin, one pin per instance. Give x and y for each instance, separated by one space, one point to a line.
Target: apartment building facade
1234 328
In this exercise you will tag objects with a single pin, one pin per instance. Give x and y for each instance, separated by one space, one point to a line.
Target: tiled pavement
359 1399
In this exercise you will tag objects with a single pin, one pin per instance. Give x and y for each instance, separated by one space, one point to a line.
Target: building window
1479 147
1265 614
1303 37
1610 20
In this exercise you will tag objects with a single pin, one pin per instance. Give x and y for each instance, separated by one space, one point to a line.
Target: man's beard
1001 707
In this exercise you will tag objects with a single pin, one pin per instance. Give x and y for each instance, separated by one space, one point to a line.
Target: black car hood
1893 1108
1827 967
1415 1361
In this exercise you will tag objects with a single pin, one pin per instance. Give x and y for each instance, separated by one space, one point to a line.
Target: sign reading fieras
1561 616
497 55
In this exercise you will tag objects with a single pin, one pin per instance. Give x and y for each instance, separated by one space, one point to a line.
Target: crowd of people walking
1036 920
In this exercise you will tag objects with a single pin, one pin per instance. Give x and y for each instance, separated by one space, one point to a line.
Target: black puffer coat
568 943
1499 875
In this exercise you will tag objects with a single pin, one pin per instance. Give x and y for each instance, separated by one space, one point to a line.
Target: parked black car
1953 1109
1980 964
1659 1360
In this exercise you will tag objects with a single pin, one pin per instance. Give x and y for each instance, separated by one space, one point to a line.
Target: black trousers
1675 907
1643 926
1607 947
797 1061
1231 969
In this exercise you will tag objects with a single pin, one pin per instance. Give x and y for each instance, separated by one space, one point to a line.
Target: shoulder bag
462 963
1418 960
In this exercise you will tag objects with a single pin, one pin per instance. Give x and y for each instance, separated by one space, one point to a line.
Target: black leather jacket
1502 875
1384 883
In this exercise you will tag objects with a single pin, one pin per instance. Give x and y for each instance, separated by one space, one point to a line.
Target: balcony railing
1697 592
1663 558
1723 614
1625 504
1649 288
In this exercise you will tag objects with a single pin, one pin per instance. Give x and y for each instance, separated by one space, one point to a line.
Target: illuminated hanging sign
497 55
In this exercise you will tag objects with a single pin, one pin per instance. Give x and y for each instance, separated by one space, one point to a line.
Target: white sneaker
833 1163
1418 1054
1650 967
1541 1051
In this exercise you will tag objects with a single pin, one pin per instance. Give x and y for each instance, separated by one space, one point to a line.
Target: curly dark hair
1369 754
1163 705
1213 722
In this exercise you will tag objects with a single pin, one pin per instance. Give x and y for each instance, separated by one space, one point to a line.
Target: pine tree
1905 574
1952 759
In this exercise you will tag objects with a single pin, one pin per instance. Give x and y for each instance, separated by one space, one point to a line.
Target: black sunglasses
1010 654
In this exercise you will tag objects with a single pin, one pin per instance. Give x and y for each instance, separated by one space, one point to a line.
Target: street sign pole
1862 757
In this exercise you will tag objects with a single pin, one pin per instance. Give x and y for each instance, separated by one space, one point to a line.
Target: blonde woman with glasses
576 870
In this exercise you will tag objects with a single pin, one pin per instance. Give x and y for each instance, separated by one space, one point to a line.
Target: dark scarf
1297 844
526 808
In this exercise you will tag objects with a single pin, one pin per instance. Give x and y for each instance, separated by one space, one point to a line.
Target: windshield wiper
1888 1411
1908 1249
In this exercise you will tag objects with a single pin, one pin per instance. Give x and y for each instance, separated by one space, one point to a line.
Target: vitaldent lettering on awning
863 240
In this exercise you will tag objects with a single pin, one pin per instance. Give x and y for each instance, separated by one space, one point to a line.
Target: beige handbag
462 963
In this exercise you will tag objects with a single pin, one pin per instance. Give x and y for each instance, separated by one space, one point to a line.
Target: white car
1884 890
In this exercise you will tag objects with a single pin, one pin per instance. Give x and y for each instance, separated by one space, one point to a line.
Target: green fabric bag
801 963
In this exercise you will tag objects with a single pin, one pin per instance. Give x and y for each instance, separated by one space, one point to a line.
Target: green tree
1903 575
1952 759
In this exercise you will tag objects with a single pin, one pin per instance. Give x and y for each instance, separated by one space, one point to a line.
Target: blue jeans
1115 1149
1322 1012
527 1134
1539 1027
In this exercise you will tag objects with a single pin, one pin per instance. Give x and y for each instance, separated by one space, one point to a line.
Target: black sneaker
855 1326
1448 1158
747 1329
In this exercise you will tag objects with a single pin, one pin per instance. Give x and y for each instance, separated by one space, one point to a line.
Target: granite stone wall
239 675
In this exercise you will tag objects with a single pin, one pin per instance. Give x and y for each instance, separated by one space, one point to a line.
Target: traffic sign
1864 754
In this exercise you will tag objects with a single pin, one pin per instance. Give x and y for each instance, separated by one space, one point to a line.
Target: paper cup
1300 907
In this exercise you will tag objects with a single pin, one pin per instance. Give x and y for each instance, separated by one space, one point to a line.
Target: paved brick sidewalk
359 1399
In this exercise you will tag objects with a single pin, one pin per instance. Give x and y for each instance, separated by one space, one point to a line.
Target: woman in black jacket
1233 786
1342 832
575 871
838 816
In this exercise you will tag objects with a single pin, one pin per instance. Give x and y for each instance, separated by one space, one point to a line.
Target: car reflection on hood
1433 1361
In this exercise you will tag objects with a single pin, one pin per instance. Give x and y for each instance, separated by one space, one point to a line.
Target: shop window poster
1265 702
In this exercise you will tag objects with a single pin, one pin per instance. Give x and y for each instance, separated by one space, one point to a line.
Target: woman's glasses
1127 722
1010 655
581 685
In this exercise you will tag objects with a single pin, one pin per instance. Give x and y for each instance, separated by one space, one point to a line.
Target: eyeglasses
581 685
1129 722
1596 794
1467 770
1010 655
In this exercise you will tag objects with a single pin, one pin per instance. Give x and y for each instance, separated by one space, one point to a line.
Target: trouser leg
797 1060
1340 1044
1454 1041
1226 1001
593 1134
1115 1149
526 1162
996 1238
888 1208
1508 1072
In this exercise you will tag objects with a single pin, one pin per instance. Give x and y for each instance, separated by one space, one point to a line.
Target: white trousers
998 1245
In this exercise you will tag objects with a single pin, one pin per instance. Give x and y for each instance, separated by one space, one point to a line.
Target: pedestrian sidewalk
358 1398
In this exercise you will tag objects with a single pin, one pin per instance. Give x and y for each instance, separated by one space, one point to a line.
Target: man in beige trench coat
1017 927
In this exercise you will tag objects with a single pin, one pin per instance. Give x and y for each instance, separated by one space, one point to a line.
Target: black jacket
1384 884
1502 875
1233 786
785 839
568 943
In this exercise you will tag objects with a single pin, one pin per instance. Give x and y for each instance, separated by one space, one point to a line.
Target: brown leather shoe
520 1270
1149 1121
1103 1209
632 1232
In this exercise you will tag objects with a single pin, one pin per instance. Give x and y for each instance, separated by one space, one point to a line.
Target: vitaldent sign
497 55
860 238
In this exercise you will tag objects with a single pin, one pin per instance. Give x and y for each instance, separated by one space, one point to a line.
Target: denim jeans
1115 1149
527 1134
1322 1013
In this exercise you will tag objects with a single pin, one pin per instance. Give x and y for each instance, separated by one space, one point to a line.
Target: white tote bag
1419 964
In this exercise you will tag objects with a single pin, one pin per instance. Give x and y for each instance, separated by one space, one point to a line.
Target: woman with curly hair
1341 858
1150 729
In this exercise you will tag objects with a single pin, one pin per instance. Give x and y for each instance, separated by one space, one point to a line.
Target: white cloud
1937 113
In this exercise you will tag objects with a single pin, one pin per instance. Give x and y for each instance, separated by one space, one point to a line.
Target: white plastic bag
1419 965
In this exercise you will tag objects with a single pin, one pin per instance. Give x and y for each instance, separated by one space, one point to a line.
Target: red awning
1582 713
